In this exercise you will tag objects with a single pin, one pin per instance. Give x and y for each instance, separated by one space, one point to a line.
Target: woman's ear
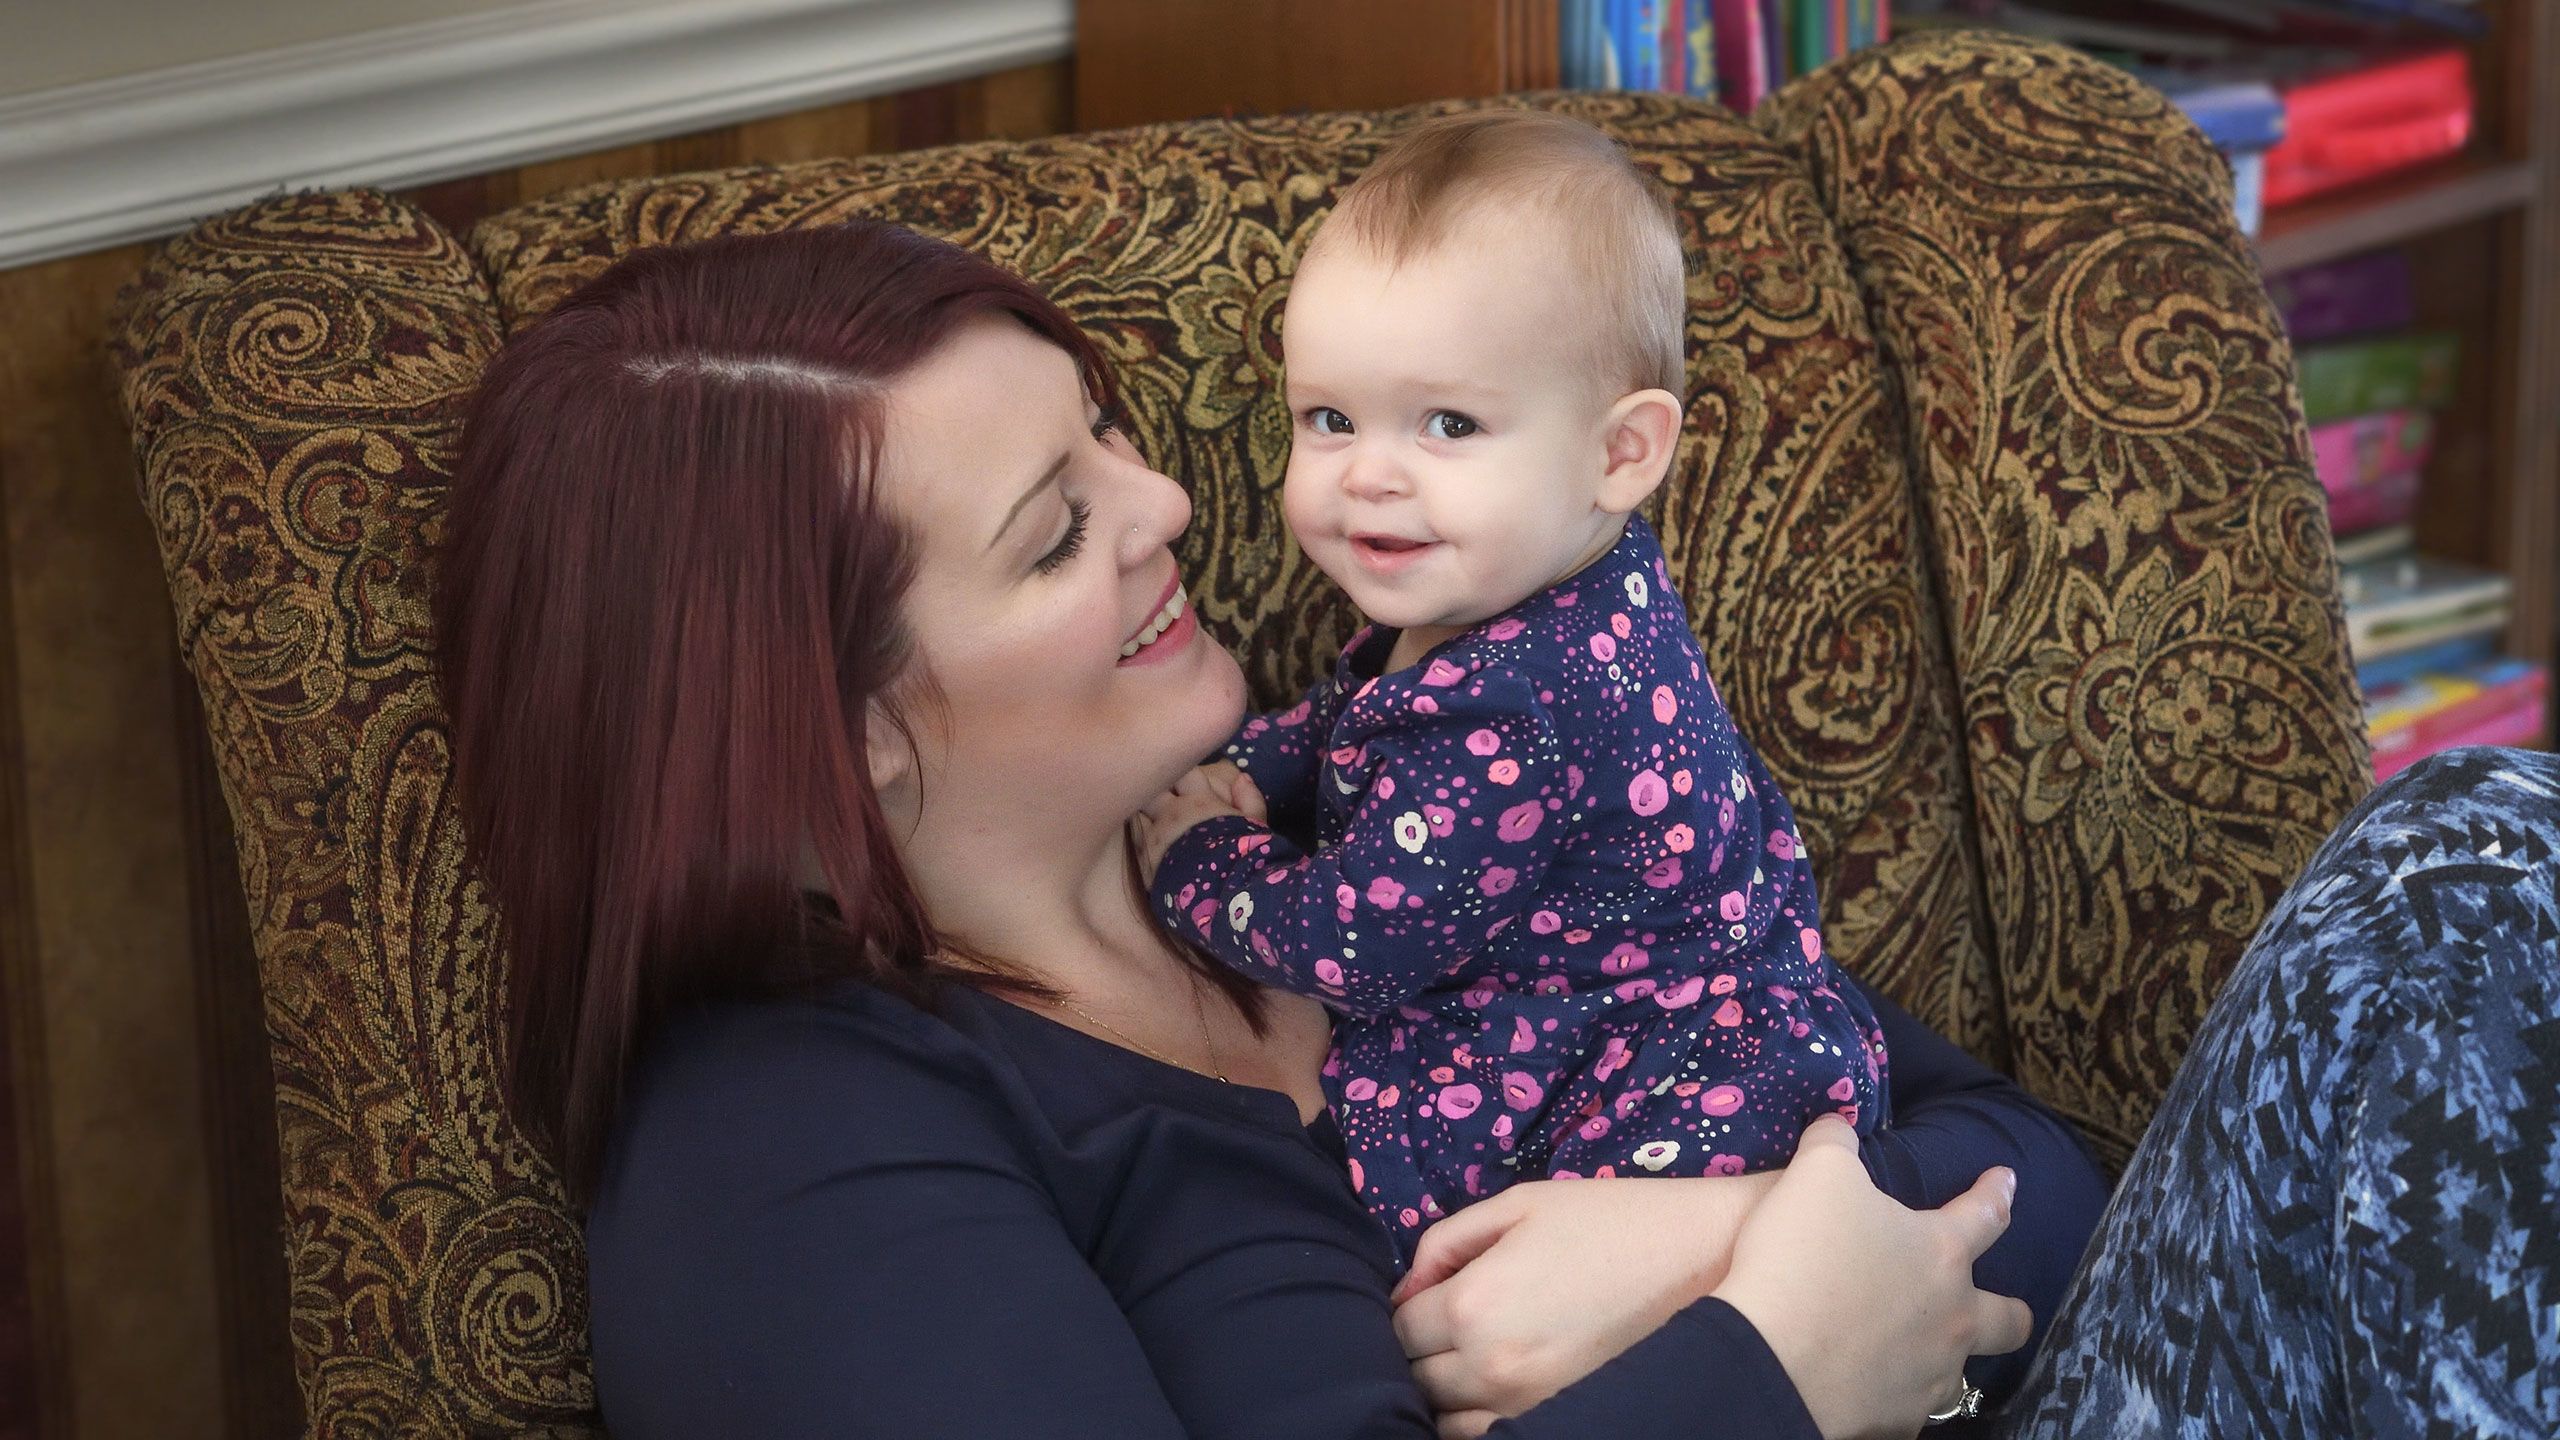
887 750
1642 431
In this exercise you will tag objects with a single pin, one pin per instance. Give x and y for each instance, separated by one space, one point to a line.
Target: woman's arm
1953 1118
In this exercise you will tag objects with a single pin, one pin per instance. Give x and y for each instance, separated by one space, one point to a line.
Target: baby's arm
1418 881
1281 752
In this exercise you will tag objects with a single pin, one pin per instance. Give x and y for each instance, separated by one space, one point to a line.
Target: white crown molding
87 166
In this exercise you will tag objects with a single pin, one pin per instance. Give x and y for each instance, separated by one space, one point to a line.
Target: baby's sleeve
1462 791
1282 751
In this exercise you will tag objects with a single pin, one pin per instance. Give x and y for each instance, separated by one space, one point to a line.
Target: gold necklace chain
1199 1011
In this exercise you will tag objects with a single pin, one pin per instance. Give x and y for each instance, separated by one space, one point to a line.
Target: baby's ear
1643 429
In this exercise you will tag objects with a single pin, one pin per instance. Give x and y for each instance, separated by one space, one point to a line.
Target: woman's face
1042 586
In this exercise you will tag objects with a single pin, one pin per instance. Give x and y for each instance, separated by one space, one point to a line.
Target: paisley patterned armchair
1993 511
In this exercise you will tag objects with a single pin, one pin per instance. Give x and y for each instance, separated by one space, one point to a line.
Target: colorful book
1742 54
1835 31
2400 605
2434 659
2402 372
2345 128
1698 45
2359 295
2494 702
2383 544
2451 16
2371 465
1812 46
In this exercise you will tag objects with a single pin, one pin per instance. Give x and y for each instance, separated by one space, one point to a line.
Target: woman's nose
1159 511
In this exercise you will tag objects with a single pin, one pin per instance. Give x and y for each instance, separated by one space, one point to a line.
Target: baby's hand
1218 788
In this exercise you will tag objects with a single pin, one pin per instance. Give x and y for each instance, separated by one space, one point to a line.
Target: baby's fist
1206 792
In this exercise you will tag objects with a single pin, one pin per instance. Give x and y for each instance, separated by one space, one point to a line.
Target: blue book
1698 32
2445 655
1573 54
2234 117
1638 37
2449 15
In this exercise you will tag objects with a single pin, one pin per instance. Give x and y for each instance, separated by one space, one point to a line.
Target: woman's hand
1513 1299
1870 1306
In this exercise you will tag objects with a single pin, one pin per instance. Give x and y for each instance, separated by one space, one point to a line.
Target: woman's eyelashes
1078 512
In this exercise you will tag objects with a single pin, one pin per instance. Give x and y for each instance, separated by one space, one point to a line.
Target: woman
785 596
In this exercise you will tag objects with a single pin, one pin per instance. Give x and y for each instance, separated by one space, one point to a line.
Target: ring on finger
1966 1405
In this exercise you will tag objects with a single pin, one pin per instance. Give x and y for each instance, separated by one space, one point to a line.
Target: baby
1514 840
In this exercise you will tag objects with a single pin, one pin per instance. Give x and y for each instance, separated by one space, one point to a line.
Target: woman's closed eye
1449 425
1078 512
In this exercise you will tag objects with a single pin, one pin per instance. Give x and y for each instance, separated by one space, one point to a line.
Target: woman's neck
1067 915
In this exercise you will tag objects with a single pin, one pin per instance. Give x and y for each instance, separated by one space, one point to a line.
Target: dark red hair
669 597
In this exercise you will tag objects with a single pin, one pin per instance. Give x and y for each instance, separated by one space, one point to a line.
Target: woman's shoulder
779 1090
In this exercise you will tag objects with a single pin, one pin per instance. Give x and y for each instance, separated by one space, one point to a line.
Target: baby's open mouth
1388 552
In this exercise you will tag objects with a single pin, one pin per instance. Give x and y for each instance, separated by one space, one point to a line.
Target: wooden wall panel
152 1289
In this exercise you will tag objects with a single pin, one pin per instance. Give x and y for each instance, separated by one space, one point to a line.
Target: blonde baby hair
1619 233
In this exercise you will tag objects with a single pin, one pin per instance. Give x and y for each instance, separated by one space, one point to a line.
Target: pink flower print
1520 821
1550 985
1359 1176
1546 922
1388 1097
1189 893
1568 599
1202 914
1480 993
1843 1089
1733 905
1576 936
1811 940
1503 771
1459 1101
1593 1127
1679 839
1501 1128
1729 1014
1250 844
1497 879
1329 971
1603 648
1409 1216
1664 873
1721 985
1633 990
1521 1090
1384 892
1647 794
1687 1088
1363 1088
1504 629
1724 815
1666 705
1411 833
1635 590
1682 782
1626 959
1655 1154
1682 995
1296 714
1386 787
1719 1100
1440 818
1425 705
1484 742
1262 949
1473 1179
1724 1164
1572 781
1782 844
1523 1039
1620 626
1344 755
1613 1058
1441 672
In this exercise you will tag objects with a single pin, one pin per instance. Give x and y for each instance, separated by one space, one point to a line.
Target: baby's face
1447 444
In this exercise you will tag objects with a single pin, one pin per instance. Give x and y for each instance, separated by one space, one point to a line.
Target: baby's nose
1370 475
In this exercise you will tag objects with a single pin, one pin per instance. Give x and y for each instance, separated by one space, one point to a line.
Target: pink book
2370 466
2521 725
1742 54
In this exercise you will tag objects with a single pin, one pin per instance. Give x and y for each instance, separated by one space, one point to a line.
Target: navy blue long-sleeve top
848 1217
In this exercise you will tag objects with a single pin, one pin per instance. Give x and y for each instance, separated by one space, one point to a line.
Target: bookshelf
2483 229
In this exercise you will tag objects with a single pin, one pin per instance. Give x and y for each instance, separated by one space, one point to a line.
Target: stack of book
2303 96
1735 51
2425 632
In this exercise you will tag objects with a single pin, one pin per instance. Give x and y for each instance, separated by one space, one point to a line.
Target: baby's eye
1325 420
1449 425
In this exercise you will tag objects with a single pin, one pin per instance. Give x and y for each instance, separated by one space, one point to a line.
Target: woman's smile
1169 630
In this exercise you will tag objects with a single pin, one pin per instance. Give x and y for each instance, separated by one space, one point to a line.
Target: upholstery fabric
2100 415
2050 499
